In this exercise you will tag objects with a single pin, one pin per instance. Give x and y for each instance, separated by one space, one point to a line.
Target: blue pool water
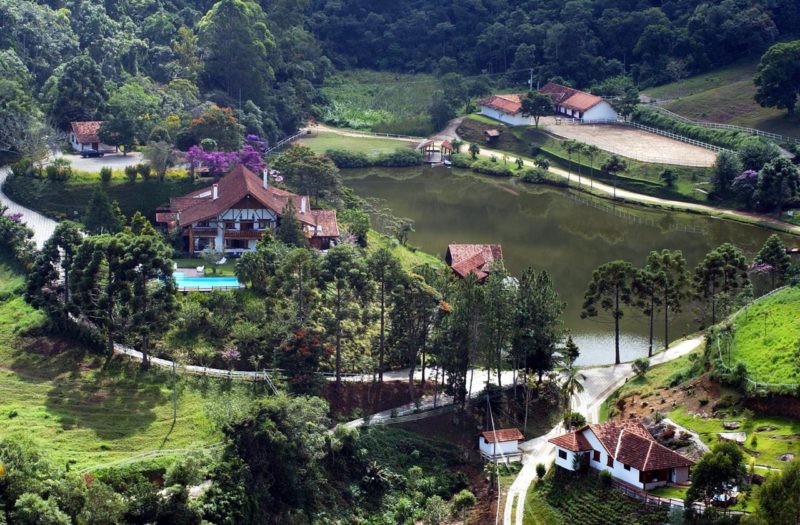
205 282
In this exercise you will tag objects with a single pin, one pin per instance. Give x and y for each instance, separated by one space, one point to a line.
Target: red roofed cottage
505 108
627 450
578 104
501 445
233 214
479 259
86 135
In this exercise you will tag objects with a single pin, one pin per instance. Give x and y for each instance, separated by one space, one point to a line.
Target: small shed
501 446
491 134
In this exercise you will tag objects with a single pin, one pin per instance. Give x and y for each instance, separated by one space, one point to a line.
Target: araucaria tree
646 299
671 281
773 259
345 286
610 289
385 270
497 322
718 279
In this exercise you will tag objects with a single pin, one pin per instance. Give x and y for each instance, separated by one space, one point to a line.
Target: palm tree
572 147
580 147
572 385
474 149
591 151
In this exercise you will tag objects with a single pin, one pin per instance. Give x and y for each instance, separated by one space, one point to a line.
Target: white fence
731 127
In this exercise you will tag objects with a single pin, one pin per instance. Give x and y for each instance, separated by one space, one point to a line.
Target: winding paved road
42 226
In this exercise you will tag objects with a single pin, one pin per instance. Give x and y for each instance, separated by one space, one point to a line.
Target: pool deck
193 273
189 272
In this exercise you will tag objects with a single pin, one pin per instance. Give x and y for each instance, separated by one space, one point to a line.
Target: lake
566 233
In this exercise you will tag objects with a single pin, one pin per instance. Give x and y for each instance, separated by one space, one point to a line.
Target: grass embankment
83 411
322 141
641 177
409 257
68 200
766 338
380 101
725 95
563 499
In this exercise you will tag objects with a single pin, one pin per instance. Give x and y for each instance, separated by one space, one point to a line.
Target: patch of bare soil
699 396
358 399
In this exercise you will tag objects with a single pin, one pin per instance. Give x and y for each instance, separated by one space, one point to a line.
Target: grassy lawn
563 499
83 411
773 357
725 95
227 269
770 445
641 177
325 140
68 200
670 492
409 258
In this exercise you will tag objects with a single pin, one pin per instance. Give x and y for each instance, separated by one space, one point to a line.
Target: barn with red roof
578 104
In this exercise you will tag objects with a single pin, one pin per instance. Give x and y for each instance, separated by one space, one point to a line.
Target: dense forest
166 62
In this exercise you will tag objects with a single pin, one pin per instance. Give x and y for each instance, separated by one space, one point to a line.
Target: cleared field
633 143
726 96
766 338
321 141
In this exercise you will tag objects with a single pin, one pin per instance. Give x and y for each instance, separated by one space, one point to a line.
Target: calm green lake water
566 233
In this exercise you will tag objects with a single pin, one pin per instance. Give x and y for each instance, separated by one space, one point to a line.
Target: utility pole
530 82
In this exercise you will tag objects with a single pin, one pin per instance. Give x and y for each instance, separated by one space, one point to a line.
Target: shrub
461 160
541 470
131 172
606 478
493 168
105 174
399 158
641 366
143 170
348 159
59 170
24 168
720 137
754 441
576 419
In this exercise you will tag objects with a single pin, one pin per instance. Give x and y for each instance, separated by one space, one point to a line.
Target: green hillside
725 95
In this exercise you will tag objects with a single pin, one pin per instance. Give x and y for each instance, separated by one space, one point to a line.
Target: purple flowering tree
744 186
251 159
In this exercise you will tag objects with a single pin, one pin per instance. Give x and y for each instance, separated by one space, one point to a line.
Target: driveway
113 160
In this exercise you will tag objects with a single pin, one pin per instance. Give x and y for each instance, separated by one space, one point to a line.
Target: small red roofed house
234 213
626 450
501 446
578 104
479 259
505 108
86 135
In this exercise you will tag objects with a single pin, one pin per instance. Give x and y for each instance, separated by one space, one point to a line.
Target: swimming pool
204 283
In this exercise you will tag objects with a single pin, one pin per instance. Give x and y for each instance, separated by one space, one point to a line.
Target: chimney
302 205
265 177
215 192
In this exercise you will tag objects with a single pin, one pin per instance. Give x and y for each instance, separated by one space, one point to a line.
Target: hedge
400 158
723 138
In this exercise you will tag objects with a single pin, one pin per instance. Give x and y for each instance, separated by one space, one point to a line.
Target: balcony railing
243 234
204 231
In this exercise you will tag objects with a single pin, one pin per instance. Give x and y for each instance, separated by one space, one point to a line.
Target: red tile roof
557 92
574 441
628 442
581 101
240 184
509 104
473 258
502 435
86 132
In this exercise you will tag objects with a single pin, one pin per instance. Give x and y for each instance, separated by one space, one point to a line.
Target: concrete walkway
598 384
42 226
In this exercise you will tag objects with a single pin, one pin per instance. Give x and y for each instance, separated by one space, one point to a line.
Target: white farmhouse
578 104
625 449
505 108
501 446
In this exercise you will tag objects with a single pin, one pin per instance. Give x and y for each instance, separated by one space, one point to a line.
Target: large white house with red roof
232 214
578 104
505 108
626 450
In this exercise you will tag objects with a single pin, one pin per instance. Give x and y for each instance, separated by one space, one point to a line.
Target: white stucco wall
680 475
505 447
567 463
511 120
618 470
602 111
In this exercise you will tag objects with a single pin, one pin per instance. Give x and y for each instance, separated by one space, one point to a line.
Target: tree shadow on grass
116 401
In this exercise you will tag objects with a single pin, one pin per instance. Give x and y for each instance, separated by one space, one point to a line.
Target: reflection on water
567 234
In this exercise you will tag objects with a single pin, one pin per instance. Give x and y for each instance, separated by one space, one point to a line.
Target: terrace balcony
204 231
243 234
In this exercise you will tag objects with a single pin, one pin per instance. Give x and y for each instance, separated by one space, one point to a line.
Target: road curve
42 226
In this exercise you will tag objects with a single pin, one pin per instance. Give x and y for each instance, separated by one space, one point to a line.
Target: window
626 467
610 461
596 455
562 454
